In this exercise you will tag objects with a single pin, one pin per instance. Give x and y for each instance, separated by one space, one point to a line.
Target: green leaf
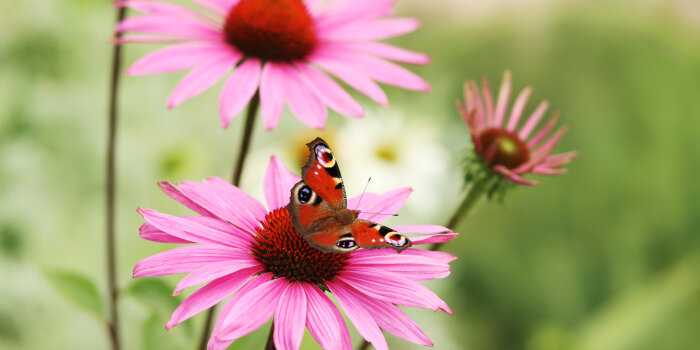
78 289
155 337
156 294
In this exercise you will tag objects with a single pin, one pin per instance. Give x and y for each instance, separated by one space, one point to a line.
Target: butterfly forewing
322 174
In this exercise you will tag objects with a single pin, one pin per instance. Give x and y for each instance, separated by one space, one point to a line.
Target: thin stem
476 190
235 180
270 345
364 345
247 135
113 322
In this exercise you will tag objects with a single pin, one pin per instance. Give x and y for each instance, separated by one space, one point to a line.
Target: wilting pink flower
501 144
285 49
255 256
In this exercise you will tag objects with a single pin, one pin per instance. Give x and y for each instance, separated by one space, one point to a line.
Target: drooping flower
283 49
255 256
501 145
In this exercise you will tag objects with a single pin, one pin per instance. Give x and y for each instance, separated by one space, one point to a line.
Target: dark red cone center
272 30
502 147
282 250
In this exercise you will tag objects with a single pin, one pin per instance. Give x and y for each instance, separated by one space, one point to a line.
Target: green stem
235 180
476 190
270 345
110 195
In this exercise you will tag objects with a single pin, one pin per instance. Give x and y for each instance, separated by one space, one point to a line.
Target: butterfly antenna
366 212
363 193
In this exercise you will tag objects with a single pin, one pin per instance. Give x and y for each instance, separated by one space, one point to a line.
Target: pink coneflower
255 256
510 150
284 49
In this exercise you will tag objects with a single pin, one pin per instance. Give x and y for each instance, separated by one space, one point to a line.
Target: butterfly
318 207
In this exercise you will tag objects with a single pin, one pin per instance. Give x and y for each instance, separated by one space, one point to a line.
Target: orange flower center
502 147
282 250
272 30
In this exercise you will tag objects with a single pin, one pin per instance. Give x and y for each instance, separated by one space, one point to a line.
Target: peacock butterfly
318 207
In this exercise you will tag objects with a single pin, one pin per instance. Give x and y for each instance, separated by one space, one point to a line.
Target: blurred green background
607 257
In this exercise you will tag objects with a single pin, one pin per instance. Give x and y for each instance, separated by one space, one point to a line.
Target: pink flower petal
175 193
226 202
278 183
542 133
548 171
170 26
210 295
216 270
258 306
423 229
518 108
240 239
390 318
236 198
154 234
438 256
272 94
176 57
514 177
503 98
385 72
203 77
378 208
488 100
239 89
531 123
370 30
354 77
161 8
394 289
188 229
324 321
473 100
386 51
415 268
360 317
330 92
146 39
303 101
548 146
225 315
342 12
219 7
559 160
439 238
290 317
183 259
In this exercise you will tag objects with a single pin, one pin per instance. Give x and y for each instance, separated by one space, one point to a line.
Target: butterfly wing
336 238
370 235
322 174
318 207
320 192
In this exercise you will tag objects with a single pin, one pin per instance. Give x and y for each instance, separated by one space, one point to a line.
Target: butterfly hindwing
306 207
370 235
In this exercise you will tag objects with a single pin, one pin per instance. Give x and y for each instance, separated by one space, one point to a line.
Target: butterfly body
318 206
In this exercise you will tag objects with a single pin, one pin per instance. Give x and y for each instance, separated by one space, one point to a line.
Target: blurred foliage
78 289
606 257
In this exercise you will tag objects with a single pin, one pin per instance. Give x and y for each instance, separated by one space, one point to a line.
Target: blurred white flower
397 149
